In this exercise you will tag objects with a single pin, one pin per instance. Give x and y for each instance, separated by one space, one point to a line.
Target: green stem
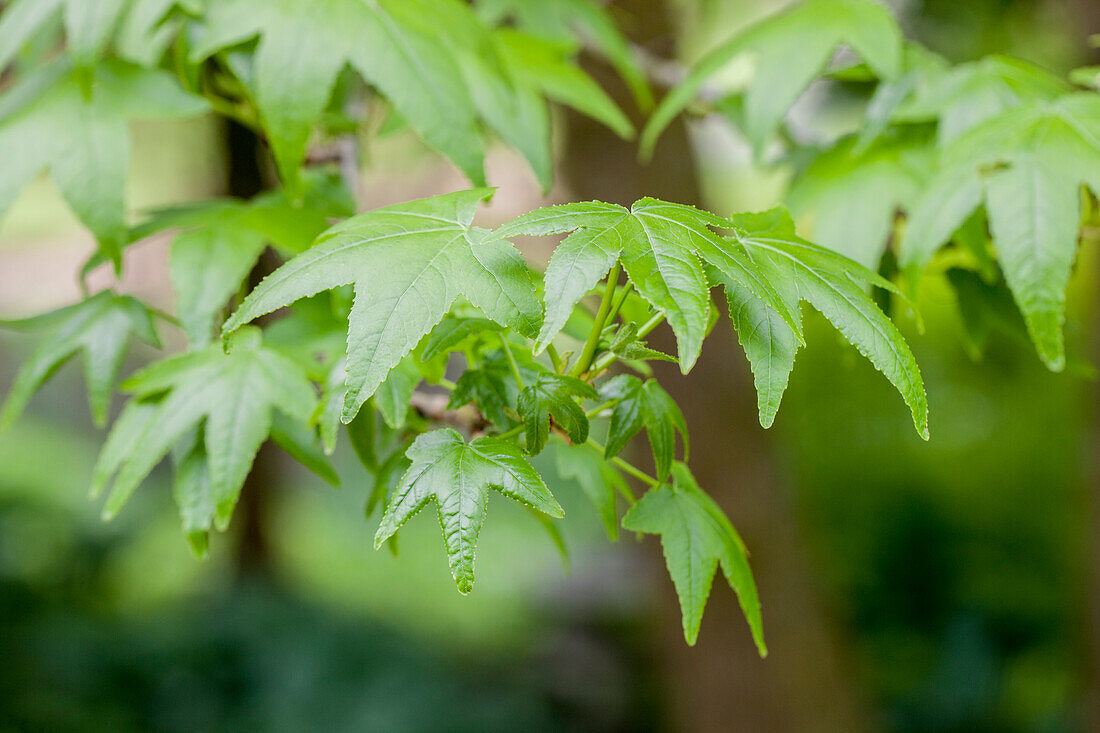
585 359
608 359
619 300
511 361
555 358
511 433
447 384
600 408
627 467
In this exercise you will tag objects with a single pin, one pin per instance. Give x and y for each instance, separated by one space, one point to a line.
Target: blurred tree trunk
721 684
245 179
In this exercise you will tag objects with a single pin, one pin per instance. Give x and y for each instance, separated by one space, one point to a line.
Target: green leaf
458 475
230 396
644 404
1028 165
769 344
492 387
696 537
88 27
565 21
852 198
966 95
554 395
546 65
301 443
100 327
450 333
409 263
191 489
511 106
662 247
393 395
20 21
832 284
789 49
49 123
597 478
304 46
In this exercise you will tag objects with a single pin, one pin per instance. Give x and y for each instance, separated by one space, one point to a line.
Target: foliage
431 338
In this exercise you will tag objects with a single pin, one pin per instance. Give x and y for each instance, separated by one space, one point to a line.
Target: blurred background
907 586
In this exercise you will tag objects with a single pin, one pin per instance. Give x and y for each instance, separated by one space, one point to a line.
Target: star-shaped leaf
662 247
100 327
1027 166
697 537
47 121
554 395
231 397
789 49
458 475
832 284
409 263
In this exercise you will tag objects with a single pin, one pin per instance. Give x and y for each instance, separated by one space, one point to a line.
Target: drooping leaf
409 263
1027 165
458 475
789 49
566 20
546 66
697 538
230 396
769 344
832 284
101 327
48 122
304 46
554 396
644 404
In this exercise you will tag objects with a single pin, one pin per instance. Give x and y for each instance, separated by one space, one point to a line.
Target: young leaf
231 396
458 475
452 331
1028 165
409 263
554 395
48 122
304 46
101 327
789 48
697 537
644 404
